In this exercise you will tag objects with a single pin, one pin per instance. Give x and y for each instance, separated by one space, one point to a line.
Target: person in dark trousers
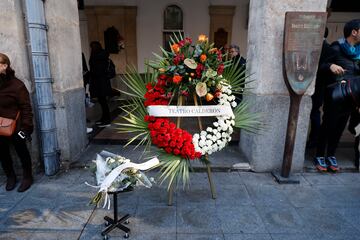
14 99
318 96
100 86
342 64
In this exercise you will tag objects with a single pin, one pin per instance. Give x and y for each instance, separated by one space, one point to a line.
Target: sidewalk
248 206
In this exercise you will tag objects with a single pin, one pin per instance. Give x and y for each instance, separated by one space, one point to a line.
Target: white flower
196 136
203 133
201 89
233 104
209 142
216 124
209 129
190 63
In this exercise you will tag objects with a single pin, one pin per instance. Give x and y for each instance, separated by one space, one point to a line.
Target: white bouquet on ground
116 173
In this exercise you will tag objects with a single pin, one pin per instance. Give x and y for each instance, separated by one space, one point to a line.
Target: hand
336 69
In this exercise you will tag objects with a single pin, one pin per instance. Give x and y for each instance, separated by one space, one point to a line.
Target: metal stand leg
212 188
115 223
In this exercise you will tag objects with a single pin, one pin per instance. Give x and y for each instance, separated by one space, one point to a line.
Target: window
173 23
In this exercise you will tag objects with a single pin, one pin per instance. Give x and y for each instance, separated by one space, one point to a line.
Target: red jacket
14 97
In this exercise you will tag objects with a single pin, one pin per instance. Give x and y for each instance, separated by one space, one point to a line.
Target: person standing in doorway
100 86
344 63
15 101
237 59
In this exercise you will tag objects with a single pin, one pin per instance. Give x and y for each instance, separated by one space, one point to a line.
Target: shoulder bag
8 126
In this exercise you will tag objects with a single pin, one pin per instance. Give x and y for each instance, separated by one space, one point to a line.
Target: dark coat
100 85
14 97
338 57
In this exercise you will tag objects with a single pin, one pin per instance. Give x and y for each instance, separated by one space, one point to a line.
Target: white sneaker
89 130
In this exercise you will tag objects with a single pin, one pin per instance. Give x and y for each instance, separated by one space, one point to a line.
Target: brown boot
10 183
25 184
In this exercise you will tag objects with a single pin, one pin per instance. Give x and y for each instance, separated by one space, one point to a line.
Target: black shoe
98 122
25 184
104 124
10 183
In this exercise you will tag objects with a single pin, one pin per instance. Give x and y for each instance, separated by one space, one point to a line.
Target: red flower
220 69
177 79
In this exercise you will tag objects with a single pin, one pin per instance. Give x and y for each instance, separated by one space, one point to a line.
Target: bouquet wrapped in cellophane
116 173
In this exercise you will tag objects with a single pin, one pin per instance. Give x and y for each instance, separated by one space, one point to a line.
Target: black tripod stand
111 224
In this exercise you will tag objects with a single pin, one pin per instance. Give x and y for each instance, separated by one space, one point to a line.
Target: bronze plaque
303 38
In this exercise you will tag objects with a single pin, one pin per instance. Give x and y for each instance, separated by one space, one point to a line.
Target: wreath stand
111 224
208 168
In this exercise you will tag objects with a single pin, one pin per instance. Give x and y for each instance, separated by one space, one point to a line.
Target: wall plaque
303 39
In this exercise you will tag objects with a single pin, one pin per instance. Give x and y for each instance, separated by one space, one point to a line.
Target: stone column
66 67
271 97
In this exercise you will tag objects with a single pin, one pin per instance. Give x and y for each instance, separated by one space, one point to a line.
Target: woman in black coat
100 86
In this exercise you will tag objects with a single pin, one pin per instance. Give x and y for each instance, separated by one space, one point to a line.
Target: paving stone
189 236
155 219
247 237
243 219
281 219
199 219
351 215
27 218
340 196
348 178
52 235
304 196
15 235
325 220
69 215
195 196
12 196
335 236
153 196
251 178
267 195
226 178
322 179
291 236
4 209
233 195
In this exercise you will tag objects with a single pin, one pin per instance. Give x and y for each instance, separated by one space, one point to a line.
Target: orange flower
177 79
209 97
202 38
203 58
175 47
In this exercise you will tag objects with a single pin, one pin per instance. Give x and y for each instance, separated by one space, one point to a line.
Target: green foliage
246 120
236 76
174 170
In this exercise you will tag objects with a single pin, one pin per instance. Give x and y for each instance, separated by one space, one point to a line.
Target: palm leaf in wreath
246 120
236 76
136 82
133 123
174 170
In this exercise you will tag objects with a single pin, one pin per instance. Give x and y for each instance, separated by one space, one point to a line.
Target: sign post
303 39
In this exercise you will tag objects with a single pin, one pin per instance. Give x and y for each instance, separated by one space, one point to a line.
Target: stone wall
271 97
66 67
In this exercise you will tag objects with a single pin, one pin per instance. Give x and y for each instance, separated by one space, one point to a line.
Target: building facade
255 25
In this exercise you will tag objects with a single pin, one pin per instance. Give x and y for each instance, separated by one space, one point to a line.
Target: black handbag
346 91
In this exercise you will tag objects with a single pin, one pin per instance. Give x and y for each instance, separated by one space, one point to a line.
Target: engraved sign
303 40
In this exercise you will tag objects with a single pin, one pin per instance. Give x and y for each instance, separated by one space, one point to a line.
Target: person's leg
315 120
336 133
25 158
105 110
7 163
